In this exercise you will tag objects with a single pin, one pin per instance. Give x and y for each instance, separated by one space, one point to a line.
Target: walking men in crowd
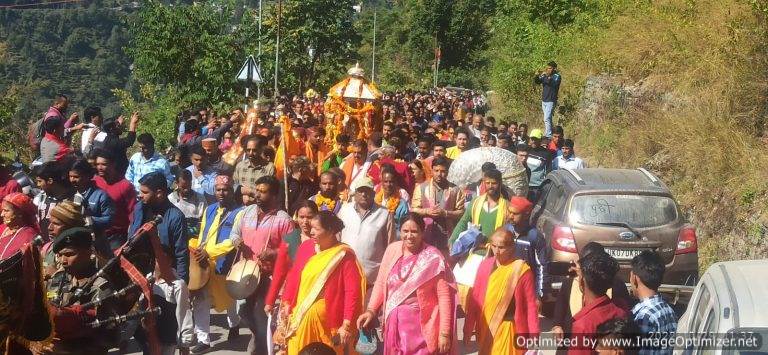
97 205
146 161
366 230
122 193
328 197
502 303
539 162
652 314
368 225
74 335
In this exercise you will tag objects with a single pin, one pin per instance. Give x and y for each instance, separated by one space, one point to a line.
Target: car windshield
638 211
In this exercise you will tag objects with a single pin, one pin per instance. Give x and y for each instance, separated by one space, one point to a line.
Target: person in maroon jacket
596 273
8 184
122 193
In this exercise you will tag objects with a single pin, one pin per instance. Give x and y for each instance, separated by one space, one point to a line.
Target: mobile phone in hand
561 268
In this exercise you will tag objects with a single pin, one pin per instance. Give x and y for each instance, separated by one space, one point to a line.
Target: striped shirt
139 166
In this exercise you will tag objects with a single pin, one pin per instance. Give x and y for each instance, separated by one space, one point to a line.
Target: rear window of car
639 211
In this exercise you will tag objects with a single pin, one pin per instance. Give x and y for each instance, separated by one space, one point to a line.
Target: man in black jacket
550 82
109 139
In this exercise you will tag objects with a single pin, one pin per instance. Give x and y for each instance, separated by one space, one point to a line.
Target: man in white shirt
191 203
93 120
568 160
365 230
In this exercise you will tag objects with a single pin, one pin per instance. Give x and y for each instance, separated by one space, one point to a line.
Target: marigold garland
392 201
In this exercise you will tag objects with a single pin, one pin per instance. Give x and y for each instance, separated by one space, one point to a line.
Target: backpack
35 134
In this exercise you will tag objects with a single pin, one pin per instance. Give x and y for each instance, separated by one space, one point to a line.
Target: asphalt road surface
220 345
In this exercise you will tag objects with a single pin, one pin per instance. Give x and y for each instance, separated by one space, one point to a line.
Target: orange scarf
392 201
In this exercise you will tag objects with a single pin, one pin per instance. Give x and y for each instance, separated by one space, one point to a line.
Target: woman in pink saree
19 223
415 288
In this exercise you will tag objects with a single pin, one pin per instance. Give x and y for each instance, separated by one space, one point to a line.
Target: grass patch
683 95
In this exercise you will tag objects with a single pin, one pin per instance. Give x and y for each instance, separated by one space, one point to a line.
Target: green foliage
528 34
198 51
191 48
9 106
75 51
158 108
409 31
327 27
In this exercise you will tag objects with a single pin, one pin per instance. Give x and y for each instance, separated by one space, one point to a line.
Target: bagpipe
142 254
24 315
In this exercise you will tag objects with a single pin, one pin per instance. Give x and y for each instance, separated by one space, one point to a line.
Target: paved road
221 346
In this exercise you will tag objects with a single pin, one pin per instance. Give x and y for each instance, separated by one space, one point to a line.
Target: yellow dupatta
477 207
499 337
313 278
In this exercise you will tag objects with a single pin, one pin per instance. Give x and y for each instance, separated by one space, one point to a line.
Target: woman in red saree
19 223
324 291
416 289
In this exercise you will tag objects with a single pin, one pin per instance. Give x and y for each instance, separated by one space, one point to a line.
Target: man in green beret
73 334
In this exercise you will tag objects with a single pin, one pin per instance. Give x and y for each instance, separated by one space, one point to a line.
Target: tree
190 48
324 26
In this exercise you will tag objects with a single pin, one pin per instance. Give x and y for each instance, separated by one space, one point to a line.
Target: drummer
215 258
260 232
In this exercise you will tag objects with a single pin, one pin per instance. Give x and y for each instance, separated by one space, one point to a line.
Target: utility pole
373 64
258 86
277 42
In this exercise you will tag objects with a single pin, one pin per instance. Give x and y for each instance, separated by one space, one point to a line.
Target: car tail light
686 240
562 239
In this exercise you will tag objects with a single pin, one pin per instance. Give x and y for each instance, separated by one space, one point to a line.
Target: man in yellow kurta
214 260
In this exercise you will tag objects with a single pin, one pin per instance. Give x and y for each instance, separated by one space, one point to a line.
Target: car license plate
623 254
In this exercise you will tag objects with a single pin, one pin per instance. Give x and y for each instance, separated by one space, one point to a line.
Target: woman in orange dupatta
325 290
418 295
502 304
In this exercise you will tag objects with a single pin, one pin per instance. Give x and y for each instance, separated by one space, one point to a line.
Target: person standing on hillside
550 82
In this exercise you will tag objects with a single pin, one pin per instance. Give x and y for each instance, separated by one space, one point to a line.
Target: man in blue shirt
146 161
98 208
550 83
172 231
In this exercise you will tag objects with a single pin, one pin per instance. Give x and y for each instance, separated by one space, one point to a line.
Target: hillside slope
679 87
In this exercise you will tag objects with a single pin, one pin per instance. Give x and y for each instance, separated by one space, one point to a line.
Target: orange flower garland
392 201
330 204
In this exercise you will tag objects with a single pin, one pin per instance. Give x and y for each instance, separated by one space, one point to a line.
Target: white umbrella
466 169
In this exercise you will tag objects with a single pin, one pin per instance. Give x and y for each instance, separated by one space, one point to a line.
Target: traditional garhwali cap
68 213
225 180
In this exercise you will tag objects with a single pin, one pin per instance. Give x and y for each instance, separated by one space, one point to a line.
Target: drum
243 279
198 274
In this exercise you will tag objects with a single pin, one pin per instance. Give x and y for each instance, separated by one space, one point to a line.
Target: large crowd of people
349 245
